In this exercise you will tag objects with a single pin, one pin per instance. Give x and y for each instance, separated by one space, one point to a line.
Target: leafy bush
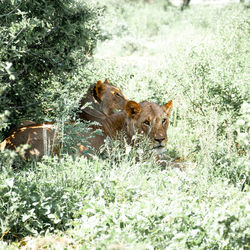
43 43
40 199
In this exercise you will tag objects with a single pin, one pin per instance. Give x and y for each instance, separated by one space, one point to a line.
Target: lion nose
160 140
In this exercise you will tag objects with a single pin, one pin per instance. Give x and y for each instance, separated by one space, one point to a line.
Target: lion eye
147 123
118 94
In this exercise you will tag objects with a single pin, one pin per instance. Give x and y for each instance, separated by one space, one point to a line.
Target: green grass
200 59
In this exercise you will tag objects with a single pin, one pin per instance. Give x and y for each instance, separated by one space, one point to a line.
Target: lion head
148 119
104 100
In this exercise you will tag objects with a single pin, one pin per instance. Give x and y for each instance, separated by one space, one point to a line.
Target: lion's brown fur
146 118
40 137
104 99
132 120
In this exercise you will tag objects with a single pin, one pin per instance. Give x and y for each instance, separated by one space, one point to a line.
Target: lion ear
106 81
168 107
133 109
99 89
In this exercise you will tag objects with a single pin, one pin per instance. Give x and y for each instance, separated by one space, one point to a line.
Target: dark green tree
42 42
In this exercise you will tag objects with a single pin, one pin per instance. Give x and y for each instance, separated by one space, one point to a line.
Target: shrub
40 199
42 44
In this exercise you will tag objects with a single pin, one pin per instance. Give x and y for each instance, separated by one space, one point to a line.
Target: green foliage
73 135
242 129
143 206
38 200
43 45
161 211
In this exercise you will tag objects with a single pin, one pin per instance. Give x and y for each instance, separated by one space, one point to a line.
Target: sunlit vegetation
124 199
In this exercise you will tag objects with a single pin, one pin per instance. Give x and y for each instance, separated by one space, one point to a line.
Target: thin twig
10 42
6 232
10 12
24 106
194 105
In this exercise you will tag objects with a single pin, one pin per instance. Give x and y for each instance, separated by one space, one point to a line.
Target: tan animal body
104 100
145 118
46 139
40 137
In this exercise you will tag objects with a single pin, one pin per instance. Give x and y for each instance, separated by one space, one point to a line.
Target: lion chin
159 150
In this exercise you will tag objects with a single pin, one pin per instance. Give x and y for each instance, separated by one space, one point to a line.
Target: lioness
146 118
104 99
150 119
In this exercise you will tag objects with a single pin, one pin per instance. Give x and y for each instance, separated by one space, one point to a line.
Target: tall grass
199 58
